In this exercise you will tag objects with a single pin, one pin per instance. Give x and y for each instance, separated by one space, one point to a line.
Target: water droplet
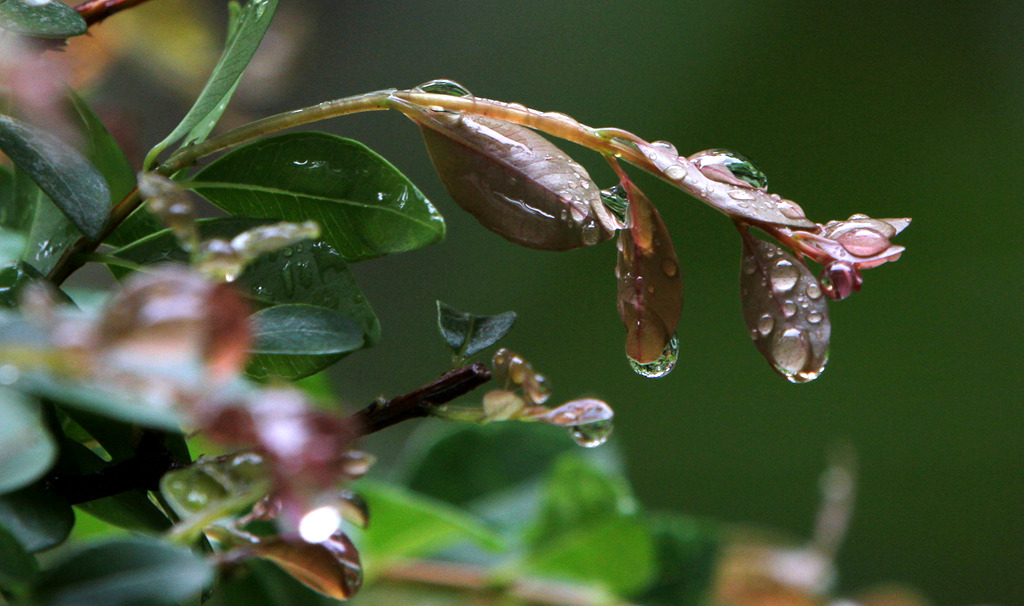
591 434
736 165
815 317
444 87
666 146
765 324
814 291
784 276
790 209
742 194
789 309
319 524
670 267
863 242
663 365
790 352
676 172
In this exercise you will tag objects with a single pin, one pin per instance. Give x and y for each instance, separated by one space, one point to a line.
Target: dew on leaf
444 87
730 167
591 435
784 276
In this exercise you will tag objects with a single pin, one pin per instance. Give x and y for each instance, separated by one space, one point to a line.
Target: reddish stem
94 11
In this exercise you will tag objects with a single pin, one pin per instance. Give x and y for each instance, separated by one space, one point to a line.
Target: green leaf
27 451
11 246
305 273
7 199
406 524
616 553
50 231
687 550
364 206
17 566
71 181
105 154
48 20
248 25
123 573
467 334
12 279
258 581
38 518
298 340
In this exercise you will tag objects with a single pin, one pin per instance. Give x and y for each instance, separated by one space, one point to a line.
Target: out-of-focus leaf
733 197
304 273
11 246
37 517
70 181
123 573
105 154
615 553
248 25
650 295
515 182
27 450
17 566
407 524
214 488
41 19
12 279
6 197
260 582
784 310
331 567
467 334
364 206
687 550
588 529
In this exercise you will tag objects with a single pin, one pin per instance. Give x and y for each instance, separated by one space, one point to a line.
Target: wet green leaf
43 20
49 231
17 566
37 517
297 340
407 524
27 450
249 23
784 309
515 182
71 182
467 334
105 154
364 206
650 297
125 572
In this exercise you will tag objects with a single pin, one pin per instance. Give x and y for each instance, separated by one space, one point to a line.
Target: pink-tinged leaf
650 296
785 310
331 567
515 182
720 179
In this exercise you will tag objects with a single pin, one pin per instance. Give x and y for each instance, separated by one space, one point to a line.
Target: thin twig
94 11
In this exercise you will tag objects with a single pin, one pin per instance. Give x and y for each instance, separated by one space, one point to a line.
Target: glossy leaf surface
298 340
650 297
49 232
735 197
467 334
515 182
312 273
27 451
364 206
36 517
784 310
125 572
62 173
331 567
249 22
44 20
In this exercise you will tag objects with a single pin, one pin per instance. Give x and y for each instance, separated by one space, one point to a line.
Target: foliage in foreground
218 335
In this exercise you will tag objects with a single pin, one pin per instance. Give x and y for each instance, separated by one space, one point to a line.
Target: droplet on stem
444 87
663 365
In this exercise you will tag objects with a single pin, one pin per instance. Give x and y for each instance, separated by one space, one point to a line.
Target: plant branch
418 403
94 11
480 581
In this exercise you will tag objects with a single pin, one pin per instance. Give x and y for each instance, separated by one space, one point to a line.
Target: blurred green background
891 109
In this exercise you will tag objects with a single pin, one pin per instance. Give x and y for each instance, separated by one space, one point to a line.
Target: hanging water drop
784 276
721 164
444 87
663 365
319 524
591 434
